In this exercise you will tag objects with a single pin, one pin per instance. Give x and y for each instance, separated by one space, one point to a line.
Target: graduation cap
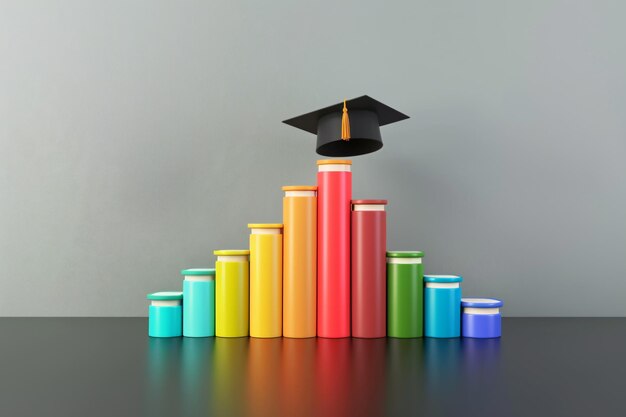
349 128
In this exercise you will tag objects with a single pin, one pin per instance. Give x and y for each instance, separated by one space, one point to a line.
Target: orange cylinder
299 261
298 377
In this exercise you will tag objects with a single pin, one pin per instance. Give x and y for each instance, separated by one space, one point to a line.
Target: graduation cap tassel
345 123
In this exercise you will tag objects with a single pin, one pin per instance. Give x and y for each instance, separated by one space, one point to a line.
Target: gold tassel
345 123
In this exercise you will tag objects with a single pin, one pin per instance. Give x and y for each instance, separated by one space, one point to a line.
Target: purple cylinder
481 318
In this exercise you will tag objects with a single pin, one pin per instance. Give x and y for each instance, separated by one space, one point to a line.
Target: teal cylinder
442 306
199 305
165 314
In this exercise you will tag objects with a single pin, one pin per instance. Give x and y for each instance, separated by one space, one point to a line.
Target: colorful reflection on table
311 377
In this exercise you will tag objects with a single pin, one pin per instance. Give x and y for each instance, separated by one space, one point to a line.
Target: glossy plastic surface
333 254
405 254
199 308
442 310
266 285
232 296
481 302
405 297
165 321
369 284
300 266
482 326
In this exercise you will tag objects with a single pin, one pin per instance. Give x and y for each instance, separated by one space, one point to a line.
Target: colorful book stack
325 271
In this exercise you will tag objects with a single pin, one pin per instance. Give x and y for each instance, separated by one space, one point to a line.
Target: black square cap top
349 128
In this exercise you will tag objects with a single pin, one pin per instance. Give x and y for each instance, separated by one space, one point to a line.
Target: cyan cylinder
165 315
481 318
199 305
442 306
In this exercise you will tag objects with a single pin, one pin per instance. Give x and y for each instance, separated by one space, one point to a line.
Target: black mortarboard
349 128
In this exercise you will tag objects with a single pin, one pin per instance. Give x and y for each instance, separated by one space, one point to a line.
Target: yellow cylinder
232 289
266 280
264 373
300 261
229 376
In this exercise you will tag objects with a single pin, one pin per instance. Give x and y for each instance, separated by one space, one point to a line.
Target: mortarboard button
350 128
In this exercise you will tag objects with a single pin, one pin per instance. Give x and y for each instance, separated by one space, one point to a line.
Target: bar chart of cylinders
325 271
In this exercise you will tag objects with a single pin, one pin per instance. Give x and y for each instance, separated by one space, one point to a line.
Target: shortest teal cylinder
165 315
165 321
199 305
442 306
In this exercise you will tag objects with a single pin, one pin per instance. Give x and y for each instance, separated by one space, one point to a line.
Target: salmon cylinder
334 192
199 305
442 306
266 280
369 285
232 293
299 261
405 294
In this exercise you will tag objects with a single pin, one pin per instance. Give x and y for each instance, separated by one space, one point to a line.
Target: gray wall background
138 136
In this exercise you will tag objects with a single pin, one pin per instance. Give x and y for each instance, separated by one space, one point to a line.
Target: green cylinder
405 294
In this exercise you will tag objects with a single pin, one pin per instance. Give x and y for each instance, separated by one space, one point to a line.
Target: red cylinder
333 392
334 182
369 268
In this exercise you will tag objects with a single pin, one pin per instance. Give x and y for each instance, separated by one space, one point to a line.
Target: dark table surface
110 367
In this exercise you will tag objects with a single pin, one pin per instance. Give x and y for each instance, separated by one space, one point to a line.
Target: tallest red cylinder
334 192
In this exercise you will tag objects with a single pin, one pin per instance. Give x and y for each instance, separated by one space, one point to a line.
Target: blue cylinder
165 315
442 306
481 317
199 305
